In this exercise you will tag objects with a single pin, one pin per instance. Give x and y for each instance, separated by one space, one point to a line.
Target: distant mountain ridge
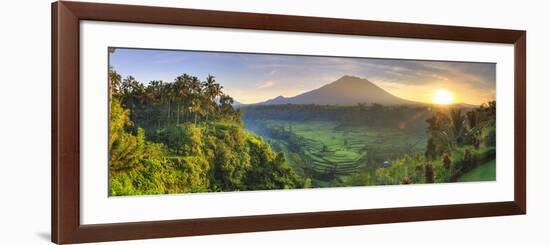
347 90
237 104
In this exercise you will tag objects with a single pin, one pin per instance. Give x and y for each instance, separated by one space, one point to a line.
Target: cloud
436 76
266 84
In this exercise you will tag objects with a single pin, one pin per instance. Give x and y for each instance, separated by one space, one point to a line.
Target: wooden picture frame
65 177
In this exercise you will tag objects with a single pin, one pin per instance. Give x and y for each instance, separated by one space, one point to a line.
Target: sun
442 97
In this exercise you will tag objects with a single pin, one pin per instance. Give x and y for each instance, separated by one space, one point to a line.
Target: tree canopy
185 136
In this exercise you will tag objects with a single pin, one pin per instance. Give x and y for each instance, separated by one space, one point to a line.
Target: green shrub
486 154
489 136
447 162
429 173
468 159
406 181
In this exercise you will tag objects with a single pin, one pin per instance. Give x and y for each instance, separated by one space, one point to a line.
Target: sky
252 78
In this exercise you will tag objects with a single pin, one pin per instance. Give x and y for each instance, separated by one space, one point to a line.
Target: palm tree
167 96
182 90
208 85
154 100
195 108
212 90
195 86
131 94
114 83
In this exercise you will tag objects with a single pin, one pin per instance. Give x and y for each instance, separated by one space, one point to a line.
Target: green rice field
328 148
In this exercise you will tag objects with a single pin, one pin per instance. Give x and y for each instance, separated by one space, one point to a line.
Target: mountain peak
348 77
276 101
352 85
347 90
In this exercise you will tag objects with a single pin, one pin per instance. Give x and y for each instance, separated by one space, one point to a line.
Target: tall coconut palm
154 100
213 91
182 90
195 104
114 82
130 90
168 99
208 85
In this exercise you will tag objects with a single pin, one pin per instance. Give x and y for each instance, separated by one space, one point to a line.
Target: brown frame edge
65 178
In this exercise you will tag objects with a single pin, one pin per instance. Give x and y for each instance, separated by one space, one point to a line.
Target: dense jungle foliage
184 137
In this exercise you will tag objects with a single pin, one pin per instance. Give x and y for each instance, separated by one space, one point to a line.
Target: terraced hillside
329 150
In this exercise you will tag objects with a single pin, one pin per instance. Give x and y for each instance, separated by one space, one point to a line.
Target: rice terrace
192 121
328 151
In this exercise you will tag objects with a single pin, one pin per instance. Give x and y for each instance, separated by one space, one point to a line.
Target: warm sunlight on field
442 97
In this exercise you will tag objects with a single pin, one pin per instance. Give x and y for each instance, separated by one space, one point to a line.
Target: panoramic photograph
203 121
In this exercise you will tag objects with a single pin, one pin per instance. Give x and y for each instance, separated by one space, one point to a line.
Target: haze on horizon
251 78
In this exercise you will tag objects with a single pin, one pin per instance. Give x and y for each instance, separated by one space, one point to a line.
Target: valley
325 150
